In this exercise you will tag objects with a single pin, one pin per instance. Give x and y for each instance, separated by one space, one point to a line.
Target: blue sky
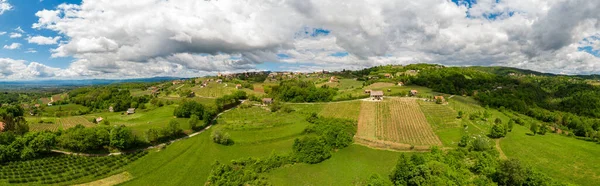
146 38
23 15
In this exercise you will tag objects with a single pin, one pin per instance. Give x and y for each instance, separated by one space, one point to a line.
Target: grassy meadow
560 157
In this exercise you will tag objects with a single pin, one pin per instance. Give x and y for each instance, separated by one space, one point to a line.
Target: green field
188 162
394 90
256 125
348 166
563 158
143 120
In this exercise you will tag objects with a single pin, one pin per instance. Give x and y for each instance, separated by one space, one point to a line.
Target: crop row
64 168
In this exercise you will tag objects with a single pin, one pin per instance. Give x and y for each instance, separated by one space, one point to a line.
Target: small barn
377 95
238 86
219 81
130 111
1 126
413 92
439 98
388 76
400 83
267 101
100 119
333 79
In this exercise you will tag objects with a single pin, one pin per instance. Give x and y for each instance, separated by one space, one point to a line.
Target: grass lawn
188 162
350 166
213 90
143 120
63 108
344 110
563 158
256 125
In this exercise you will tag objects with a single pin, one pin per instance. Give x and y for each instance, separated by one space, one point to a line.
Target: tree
511 123
152 135
464 141
533 128
220 137
498 121
543 129
311 150
510 172
189 108
460 114
498 131
193 122
121 137
173 129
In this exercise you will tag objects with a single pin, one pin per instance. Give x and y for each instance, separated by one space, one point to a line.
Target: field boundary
388 145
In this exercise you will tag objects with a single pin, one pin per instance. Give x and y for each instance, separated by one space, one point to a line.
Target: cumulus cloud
13 46
2 33
4 6
21 70
41 40
15 35
162 37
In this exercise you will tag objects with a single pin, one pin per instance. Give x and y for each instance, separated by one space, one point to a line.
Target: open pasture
563 158
344 110
255 124
213 90
63 169
398 120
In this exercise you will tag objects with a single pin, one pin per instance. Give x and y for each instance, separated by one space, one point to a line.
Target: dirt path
111 180
502 155
151 147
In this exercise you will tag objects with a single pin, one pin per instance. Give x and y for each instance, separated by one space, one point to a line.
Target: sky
116 39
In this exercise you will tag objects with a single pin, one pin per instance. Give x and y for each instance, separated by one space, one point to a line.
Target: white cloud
31 50
4 6
15 35
22 70
19 29
41 40
2 33
111 37
12 46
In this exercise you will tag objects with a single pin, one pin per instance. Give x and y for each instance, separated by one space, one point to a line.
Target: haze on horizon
74 39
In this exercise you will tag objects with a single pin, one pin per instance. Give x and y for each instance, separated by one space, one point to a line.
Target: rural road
155 146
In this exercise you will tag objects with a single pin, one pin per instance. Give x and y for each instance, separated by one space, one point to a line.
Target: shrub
311 150
221 137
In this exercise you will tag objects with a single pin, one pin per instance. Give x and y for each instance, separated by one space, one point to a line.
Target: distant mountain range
85 82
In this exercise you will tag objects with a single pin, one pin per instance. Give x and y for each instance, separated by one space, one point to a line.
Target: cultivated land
395 120
401 123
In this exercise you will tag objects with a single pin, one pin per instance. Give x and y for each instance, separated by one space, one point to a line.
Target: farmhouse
368 91
401 83
238 86
130 111
388 75
219 81
413 92
441 98
111 109
333 79
267 101
100 119
377 95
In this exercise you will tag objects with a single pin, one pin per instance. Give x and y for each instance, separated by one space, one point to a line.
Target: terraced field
71 122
